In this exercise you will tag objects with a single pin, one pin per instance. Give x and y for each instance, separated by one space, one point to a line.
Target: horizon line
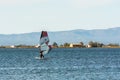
56 31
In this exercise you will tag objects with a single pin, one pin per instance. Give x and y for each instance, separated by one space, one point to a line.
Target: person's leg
43 56
40 55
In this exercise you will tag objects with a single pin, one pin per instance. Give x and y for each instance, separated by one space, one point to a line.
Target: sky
23 16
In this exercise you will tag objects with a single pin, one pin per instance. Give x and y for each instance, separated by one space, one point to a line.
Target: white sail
44 40
45 48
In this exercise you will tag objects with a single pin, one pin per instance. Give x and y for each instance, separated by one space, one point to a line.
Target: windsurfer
41 55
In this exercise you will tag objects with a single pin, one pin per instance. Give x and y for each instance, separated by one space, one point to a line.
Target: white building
37 45
89 46
12 46
75 45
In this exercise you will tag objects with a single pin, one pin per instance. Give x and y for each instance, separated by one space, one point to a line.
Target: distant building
12 46
89 46
75 45
37 45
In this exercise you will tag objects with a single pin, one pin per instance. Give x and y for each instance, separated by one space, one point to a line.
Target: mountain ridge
110 35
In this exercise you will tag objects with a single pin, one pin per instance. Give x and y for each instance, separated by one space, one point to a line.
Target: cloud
20 2
89 3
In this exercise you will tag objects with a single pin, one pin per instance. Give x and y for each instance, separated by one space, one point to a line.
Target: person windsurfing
44 47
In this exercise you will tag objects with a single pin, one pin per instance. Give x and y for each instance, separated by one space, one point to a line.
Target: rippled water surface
60 64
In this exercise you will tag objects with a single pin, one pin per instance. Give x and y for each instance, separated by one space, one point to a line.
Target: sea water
60 64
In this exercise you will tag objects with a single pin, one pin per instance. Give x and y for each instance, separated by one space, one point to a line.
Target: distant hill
111 35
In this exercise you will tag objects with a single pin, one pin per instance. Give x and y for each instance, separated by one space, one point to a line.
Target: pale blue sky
22 16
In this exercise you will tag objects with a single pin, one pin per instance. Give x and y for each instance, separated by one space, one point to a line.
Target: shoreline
53 48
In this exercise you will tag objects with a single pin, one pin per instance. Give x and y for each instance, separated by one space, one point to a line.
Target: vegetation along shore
91 44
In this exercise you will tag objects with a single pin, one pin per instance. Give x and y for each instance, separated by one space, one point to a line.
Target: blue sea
60 64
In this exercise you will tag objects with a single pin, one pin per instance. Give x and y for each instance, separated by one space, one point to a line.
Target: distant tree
61 46
66 44
95 44
91 43
82 44
100 44
55 44
113 44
